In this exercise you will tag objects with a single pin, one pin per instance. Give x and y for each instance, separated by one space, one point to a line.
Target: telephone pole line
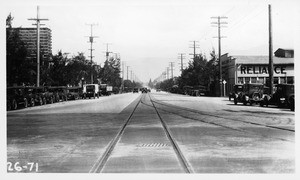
107 52
167 72
38 19
172 68
194 46
181 61
127 72
271 66
91 40
219 42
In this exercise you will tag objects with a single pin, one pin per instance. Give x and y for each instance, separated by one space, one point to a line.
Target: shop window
261 80
282 80
275 80
240 80
247 79
290 80
253 80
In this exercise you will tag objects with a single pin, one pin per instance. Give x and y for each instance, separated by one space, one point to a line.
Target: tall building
29 37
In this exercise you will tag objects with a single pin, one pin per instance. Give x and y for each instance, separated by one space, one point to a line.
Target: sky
150 34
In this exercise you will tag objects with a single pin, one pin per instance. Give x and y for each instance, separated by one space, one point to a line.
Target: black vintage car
19 97
252 93
135 90
74 93
284 96
38 94
237 89
59 93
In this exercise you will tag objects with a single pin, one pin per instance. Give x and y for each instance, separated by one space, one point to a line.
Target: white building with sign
254 69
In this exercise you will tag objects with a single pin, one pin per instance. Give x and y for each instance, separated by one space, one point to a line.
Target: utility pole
91 40
167 72
219 42
127 72
107 52
131 75
172 65
37 19
194 46
271 66
181 61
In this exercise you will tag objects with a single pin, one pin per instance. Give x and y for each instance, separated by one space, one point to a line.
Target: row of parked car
29 96
255 93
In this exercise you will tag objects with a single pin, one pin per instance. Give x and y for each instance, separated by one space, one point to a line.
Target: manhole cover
153 145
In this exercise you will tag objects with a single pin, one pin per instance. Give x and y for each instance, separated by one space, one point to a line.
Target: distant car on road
135 90
91 91
144 90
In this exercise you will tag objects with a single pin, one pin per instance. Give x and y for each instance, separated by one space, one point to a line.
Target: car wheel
40 101
235 101
14 104
32 102
25 103
261 104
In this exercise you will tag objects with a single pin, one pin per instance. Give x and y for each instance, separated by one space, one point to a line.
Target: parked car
18 96
237 89
91 90
135 90
252 93
74 93
38 94
144 90
284 96
59 93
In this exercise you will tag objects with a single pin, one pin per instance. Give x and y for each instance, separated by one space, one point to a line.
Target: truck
91 91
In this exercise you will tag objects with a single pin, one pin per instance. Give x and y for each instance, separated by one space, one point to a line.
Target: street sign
224 82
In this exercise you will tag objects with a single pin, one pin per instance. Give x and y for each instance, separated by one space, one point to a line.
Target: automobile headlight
282 99
247 98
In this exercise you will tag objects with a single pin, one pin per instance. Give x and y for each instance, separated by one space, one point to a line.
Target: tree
110 73
150 84
9 20
19 70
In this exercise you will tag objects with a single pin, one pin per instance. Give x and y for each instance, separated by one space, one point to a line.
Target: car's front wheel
25 103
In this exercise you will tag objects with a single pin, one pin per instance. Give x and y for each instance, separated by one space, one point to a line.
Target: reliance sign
262 70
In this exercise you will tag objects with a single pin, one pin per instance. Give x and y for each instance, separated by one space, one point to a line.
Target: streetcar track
220 125
98 166
217 116
184 163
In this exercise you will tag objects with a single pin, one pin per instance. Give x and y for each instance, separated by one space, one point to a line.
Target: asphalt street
211 135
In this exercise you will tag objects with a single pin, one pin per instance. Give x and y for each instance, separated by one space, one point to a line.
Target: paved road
211 135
